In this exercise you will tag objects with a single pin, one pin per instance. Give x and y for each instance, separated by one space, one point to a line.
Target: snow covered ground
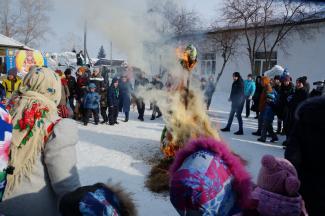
121 153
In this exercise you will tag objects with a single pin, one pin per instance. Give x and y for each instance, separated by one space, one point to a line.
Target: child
267 116
91 104
206 178
98 199
103 104
277 189
113 101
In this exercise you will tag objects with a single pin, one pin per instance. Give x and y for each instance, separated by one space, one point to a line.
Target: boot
226 129
257 133
240 132
159 115
274 139
153 117
261 139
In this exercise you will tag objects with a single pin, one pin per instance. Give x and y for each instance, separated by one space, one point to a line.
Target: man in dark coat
141 106
80 58
125 97
256 96
72 85
237 99
113 101
305 150
286 91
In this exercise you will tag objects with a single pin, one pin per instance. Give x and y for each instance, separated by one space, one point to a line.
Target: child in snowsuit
98 199
91 104
267 116
113 101
277 189
103 104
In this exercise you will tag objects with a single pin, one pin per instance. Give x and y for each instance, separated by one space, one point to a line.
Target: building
8 45
302 56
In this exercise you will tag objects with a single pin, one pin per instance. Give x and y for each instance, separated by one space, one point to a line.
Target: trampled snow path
120 153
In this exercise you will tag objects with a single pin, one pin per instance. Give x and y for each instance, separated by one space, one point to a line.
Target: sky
67 21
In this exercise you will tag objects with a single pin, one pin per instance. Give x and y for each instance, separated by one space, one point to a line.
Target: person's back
305 149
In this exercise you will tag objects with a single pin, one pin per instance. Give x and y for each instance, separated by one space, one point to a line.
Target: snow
121 153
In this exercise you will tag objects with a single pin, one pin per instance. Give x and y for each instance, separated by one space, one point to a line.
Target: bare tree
8 19
34 20
226 43
71 41
266 23
173 19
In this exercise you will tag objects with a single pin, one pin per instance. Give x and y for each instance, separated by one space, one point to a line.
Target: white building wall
306 57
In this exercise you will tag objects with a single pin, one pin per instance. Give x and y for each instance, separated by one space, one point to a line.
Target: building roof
317 18
10 42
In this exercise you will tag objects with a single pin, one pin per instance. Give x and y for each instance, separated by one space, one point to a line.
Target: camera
319 89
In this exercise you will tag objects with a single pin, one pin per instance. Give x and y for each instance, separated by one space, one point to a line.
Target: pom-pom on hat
278 175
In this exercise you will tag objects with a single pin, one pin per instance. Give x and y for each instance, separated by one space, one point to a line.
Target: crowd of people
39 176
271 97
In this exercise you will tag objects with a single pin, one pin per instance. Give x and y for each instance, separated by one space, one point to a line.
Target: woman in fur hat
43 150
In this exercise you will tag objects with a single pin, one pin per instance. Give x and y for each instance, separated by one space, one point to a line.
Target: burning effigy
185 117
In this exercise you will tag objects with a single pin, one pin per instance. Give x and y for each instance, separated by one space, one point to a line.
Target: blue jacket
91 100
271 105
249 88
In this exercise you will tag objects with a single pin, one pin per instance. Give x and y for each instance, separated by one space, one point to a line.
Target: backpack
5 141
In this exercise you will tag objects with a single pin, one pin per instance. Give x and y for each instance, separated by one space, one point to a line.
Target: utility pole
111 54
85 44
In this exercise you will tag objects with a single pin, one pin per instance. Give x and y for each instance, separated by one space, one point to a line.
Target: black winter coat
305 149
98 81
237 95
283 104
113 96
72 85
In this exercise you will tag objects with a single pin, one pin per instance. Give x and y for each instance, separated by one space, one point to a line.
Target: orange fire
185 59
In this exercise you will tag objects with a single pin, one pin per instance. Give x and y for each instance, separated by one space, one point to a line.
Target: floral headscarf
34 112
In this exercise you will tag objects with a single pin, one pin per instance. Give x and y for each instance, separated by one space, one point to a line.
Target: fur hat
302 80
98 199
13 71
278 175
206 178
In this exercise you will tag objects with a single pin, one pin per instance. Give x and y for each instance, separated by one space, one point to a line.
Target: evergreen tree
101 53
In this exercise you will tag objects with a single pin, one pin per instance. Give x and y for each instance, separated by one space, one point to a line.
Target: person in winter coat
305 150
267 116
209 90
206 178
2 93
141 81
80 58
82 83
97 79
125 90
237 99
266 89
286 90
72 85
12 82
43 148
300 95
113 101
91 104
256 96
249 90
277 190
157 84
62 107
104 104
276 86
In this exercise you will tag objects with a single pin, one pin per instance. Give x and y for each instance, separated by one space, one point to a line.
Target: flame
185 59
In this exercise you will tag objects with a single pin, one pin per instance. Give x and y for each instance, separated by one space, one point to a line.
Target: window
260 64
208 64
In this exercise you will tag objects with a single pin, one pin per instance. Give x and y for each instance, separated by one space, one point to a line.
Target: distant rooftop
10 42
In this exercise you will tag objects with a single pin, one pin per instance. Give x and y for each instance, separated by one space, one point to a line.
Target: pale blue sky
66 17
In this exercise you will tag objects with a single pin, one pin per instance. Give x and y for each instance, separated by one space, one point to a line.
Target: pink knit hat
278 175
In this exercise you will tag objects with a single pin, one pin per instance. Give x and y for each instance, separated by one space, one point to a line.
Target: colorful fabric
34 112
5 141
272 204
101 202
208 179
205 184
